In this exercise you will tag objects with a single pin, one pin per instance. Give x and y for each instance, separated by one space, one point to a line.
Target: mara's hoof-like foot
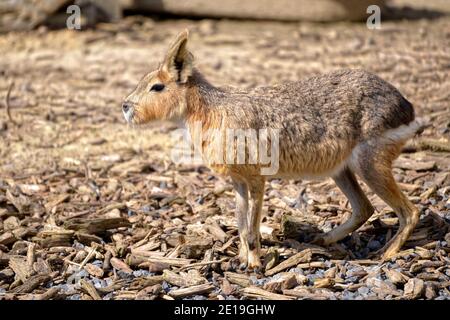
321 240
254 262
387 254
240 262
245 267
249 263
384 254
237 264
391 248
376 255
243 258
234 263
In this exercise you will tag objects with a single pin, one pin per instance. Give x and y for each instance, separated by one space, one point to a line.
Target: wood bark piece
439 145
6 274
21 202
42 266
11 223
195 249
48 295
7 238
300 257
184 279
285 281
414 288
323 283
32 283
55 241
145 282
190 291
94 270
226 287
90 289
255 292
430 292
87 239
271 258
294 227
117 285
97 225
155 267
107 260
382 287
311 265
309 293
238 278
20 267
135 260
4 259
89 256
8 106
54 238
31 255
120 265
395 276
151 291
56 201
216 231
408 164
203 263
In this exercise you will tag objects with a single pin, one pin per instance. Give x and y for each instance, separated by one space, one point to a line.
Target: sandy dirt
67 157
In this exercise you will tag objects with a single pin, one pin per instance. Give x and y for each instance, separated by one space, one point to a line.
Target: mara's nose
126 106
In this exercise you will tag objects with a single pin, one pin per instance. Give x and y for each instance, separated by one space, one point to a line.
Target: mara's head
161 94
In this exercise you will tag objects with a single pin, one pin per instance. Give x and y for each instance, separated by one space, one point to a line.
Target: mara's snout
344 124
128 111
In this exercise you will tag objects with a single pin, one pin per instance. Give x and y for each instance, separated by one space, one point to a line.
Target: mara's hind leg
362 209
374 165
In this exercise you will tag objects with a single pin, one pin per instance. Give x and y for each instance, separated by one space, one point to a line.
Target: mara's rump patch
386 147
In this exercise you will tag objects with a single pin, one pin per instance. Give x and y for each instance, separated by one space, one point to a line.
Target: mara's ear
178 62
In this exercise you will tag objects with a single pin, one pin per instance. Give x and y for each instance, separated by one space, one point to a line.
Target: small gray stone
363 291
374 245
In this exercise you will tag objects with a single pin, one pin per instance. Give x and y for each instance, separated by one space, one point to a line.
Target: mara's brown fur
338 124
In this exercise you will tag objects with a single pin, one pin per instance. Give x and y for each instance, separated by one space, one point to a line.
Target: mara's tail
411 126
406 111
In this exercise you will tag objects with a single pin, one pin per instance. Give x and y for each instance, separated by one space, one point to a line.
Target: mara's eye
157 87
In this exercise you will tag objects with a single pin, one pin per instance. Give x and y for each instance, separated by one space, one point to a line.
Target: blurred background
27 14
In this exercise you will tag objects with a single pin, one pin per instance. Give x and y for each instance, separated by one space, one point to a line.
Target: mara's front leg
256 186
241 190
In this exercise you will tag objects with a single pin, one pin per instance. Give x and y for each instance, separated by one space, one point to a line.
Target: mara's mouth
133 117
